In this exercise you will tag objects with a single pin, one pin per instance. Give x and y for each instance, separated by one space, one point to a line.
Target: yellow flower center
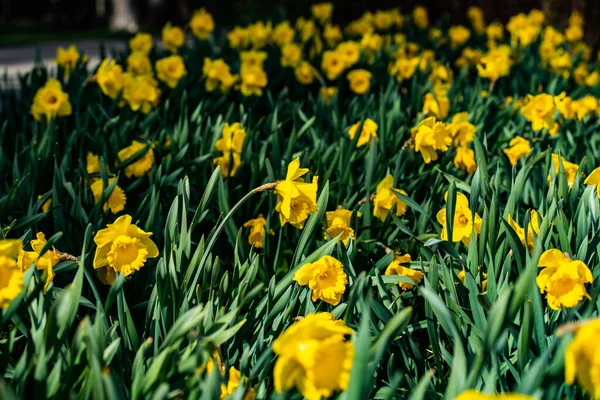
127 254
462 220
327 278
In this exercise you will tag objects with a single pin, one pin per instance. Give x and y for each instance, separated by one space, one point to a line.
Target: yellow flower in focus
116 201
11 276
257 231
305 73
325 278
43 262
404 68
338 224
202 24
463 132
472 394
519 147
360 80
50 101
420 17
430 136
534 227
283 33
465 159
142 165
332 34
458 35
314 357
296 199
438 106
259 34
582 358
333 64
562 279
395 268
594 179
349 51
138 63
570 168
322 11
171 70
539 110
368 132
464 222
123 247
238 38
291 54
172 37
385 198
140 92
68 58
253 81
327 93
110 78
141 42
495 63
218 75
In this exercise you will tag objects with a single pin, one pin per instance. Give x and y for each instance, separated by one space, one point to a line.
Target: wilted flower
170 70
385 198
464 222
257 231
562 279
582 358
338 224
173 37
142 165
11 276
314 356
395 268
368 132
141 42
519 147
570 168
202 24
325 278
296 199
430 136
360 80
116 201
110 78
50 101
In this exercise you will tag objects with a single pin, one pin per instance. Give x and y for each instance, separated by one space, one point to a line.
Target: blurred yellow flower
283 33
259 34
562 279
465 159
50 101
438 106
171 70
534 227
110 78
458 35
463 132
333 64
123 247
142 165
314 357
519 147
138 63
92 163
11 276
395 268
322 11
574 33
429 137
296 199
368 132
404 68
257 231
230 144
570 168
43 262
495 63
305 73
385 198
291 54
238 38
539 110
594 179
332 34
253 58
253 81
141 42
68 58
472 394
233 381
141 92
325 278
360 80
172 37
327 93
338 224
47 204
218 75
116 201
469 58
464 222
420 17
582 358
202 24
349 51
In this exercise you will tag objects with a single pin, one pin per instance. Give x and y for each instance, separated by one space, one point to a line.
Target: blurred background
34 20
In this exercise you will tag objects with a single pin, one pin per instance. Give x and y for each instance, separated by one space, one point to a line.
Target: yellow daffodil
465 159
420 17
534 227
594 179
116 201
259 34
140 92
539 110
68 58
338 224
283 33
429 137
332 34
333 64
582 358
138 63
384 199
495 63
368 132
325 278
305 73
11 276
327 93
438 106
562 279
570 168
472 394
253 59
141 42
110 78
238 38
322 11
360 80
291 54
296 199
202 24
253 80
43 262
464 222
230 144
142 165
404 68
349 52
50 101
519 148
257 231
463 132
458 35
314 356
171 70
395 268
172 37
218 75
